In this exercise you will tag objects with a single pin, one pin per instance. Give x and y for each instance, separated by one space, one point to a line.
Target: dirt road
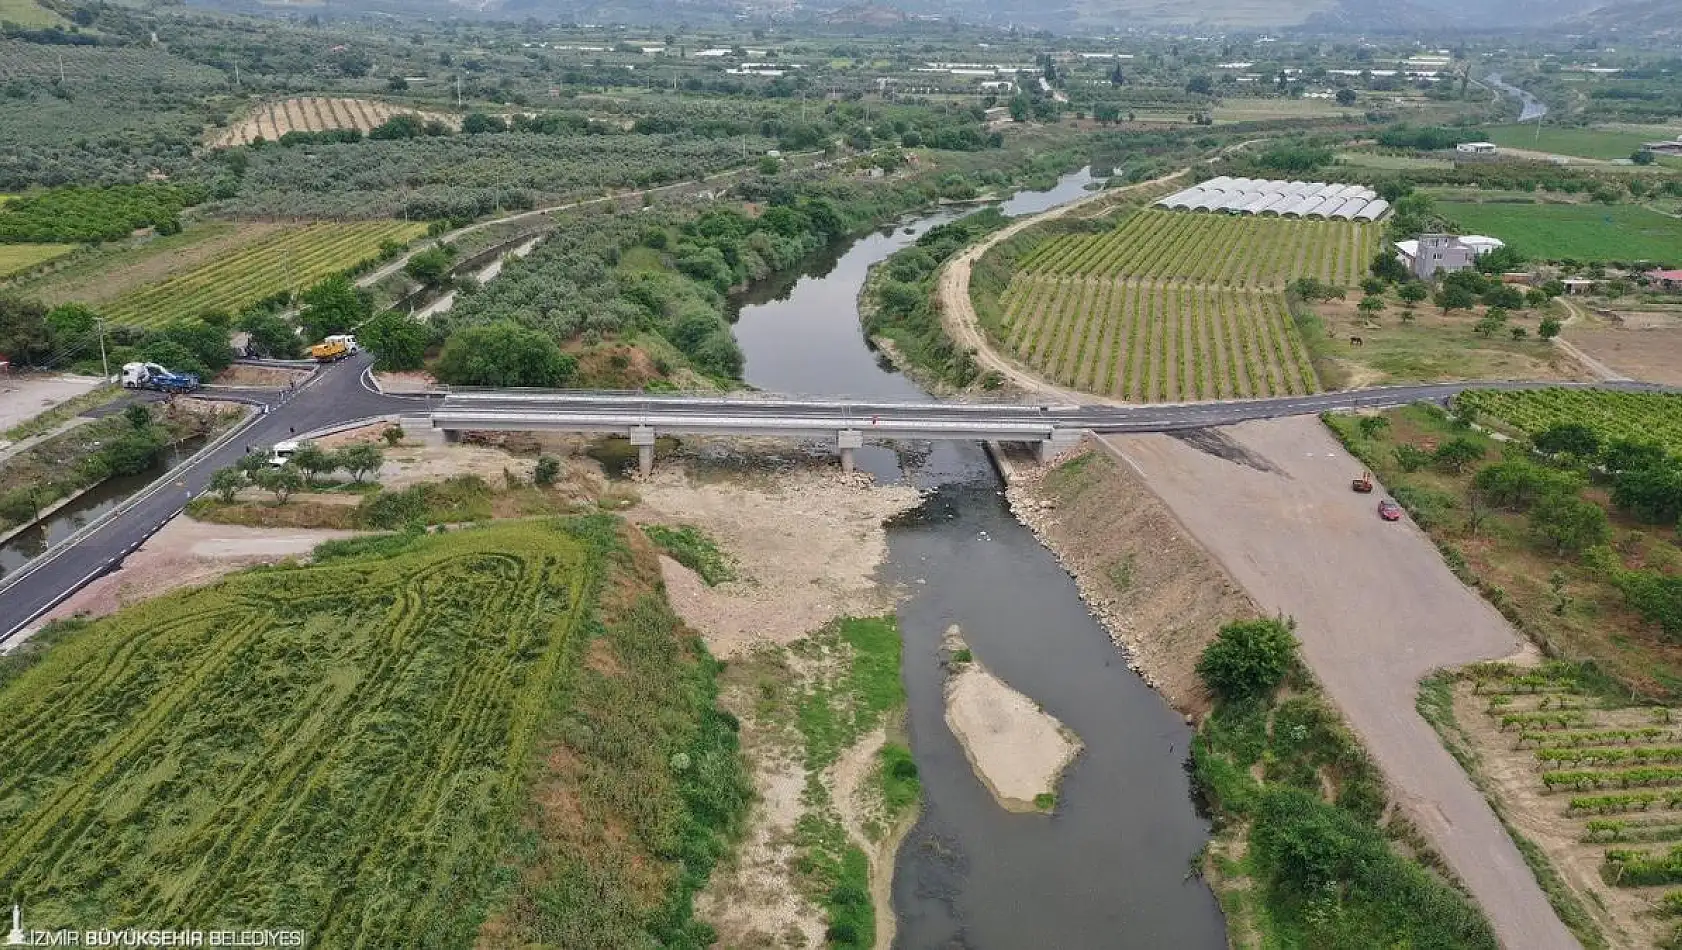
959 313
1376 610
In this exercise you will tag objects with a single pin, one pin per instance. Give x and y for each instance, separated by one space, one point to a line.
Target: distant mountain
1331 15
1651 17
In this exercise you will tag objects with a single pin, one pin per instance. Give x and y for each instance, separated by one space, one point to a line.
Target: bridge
849 424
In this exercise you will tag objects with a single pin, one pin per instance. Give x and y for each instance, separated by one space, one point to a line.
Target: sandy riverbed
1018 750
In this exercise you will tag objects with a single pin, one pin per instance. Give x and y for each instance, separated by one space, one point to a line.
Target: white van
282 453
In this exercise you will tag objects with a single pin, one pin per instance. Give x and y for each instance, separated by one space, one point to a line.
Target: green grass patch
410 716
897 773
691 547
1045 801
1582 232
1559 140
17 258
28 13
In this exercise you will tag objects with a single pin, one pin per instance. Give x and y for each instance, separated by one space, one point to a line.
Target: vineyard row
1155 340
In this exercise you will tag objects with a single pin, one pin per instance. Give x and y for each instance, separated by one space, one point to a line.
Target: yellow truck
333 349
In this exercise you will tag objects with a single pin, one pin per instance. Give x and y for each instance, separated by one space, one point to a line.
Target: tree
207 342
1493 319
1652 493
1248 658
1505 296
133 452
397 341
1568 438
1569 523
1387 266
503 353
1201 85
478 123
138 415
312 460
1457 454
282 480
1413 292
1346 96
270 335
1454 298
359 459
1371 286
1371 306
1373 426
548 469
1549 328
1642 157
333 306
24 339
430 266
1519 333
226 483
392 435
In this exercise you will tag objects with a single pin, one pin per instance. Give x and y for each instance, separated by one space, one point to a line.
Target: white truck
154 376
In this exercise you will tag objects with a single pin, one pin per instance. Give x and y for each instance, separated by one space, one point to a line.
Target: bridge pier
847 440
1061 441
643 438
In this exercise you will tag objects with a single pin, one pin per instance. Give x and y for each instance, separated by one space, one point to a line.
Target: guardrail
159 484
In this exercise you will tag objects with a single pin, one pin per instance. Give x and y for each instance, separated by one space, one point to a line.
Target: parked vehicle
1389 510
345 338
1362 484
154 376
282 453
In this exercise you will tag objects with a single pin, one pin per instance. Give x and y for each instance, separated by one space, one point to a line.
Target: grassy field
16 258
290 259
350 748
1173 306
1390 162
1557 140
29 13
1586 232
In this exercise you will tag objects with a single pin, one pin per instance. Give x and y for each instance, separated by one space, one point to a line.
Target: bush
1248 658
548 469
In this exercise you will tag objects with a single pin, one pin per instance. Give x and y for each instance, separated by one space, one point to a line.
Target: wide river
1109 869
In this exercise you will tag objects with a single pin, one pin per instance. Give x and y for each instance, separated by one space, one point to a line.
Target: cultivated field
16 258
1228 250
1155 340
1639 417
1598 787
28 13
1176 306
292 259
1585 232
1583 143
271 120
294 747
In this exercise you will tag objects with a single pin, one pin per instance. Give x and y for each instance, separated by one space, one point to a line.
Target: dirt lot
271 120
1652 354
268 377
186 553
1376 609
25 397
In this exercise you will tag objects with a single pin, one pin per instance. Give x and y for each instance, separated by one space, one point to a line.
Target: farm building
1434 254
1666 279
1289 199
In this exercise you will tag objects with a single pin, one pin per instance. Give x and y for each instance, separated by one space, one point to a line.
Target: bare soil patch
807 546
406 382
271 120
1652 354
267 377
23 397
187 553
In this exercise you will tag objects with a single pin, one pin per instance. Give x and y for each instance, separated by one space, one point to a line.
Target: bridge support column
1061 441
643 438
847 440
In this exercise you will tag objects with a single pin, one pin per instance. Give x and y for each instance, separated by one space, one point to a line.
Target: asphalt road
335 394
338 393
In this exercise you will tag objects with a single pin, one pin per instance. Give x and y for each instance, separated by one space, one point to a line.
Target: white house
1476 148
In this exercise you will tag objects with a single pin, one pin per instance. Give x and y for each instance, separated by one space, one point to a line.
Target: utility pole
103 362
60 67
458 90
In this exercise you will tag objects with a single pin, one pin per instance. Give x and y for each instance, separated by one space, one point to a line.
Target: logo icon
16 937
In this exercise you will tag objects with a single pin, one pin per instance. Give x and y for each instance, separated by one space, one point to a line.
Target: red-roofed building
1668 279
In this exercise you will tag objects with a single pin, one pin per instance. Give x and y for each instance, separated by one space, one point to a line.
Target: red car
1389 510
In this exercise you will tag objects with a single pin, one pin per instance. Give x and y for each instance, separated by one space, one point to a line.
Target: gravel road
1376 610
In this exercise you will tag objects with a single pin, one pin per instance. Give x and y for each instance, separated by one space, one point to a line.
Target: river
1533 108
1109 868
